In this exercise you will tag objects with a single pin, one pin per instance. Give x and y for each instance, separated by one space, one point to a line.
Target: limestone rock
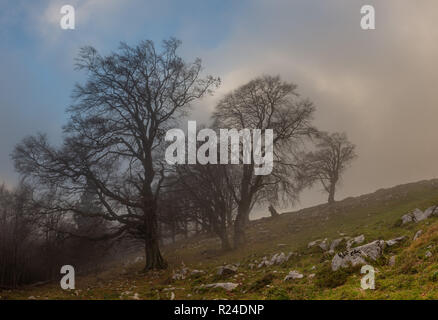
356 256
225 271
418 234
395 241
228 286
293 275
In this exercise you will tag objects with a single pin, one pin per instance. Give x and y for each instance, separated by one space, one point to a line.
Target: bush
277 294
327 278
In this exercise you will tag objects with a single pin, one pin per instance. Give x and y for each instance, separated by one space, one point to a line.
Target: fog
379 86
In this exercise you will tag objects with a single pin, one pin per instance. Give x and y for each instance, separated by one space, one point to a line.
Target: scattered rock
418 234
195 272
312 275
324 245
313 243
395 241
225 271
228 286
428 254
418 215
356 256
356 240
293 275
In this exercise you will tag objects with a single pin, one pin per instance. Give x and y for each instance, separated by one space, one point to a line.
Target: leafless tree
266 103
207 196
333 154
114 137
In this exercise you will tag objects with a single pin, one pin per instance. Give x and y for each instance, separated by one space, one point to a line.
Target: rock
225 271
228 286
293 275
172 296
418 234
418 215
395 241
324 245
251 266
312 275
313 243
391 261
407 218
180 275
31 298
428 254
278 258
356 240
195 272
335 243
356 256
135 296
281 245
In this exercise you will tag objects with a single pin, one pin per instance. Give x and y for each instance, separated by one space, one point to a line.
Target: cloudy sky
379 86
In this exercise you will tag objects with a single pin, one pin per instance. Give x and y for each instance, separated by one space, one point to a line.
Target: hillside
408 270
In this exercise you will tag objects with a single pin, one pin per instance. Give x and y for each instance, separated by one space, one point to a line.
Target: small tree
266 103
334 153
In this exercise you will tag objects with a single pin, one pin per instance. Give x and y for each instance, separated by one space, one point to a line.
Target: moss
277 294
326 278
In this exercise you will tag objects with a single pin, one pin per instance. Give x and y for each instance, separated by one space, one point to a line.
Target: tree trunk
240 224
154 260
331 197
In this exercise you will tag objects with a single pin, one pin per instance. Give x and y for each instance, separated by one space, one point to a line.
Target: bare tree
114 138
334 153
266 103
207 196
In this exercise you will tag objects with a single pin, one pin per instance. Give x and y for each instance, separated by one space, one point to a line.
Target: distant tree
333 154
115 136
207 196
266 103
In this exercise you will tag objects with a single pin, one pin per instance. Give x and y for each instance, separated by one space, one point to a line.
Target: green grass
375 215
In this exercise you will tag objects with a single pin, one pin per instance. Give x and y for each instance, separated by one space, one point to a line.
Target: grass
376 215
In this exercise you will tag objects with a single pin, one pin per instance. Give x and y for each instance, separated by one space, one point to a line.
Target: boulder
292 275
324 245
357 256
418 215
355 240
391 261
395 241
228 286
225 271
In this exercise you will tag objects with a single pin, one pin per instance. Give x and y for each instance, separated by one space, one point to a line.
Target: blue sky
378 86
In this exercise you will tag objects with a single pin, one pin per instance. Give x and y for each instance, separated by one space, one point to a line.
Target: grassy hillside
376 215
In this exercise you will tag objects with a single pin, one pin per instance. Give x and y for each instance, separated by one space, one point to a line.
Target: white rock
428 254
391 261
418 234
293 275
356 256
228 286
226 270
356 240
395 241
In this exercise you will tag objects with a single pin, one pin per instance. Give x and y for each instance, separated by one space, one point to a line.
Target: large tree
114 138
333 154
266 103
